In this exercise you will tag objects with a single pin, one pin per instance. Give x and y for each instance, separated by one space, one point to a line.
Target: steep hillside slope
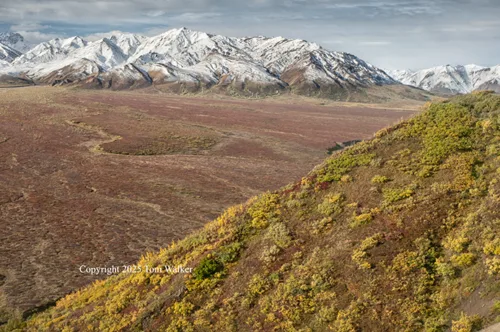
398 233
451 79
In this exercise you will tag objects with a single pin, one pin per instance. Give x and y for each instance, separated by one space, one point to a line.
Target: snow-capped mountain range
188 57
451 79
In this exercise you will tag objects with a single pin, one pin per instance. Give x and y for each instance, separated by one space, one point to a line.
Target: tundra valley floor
98 178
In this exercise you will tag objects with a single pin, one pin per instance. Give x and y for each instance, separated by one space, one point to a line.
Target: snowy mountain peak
46 52
128 42
74 42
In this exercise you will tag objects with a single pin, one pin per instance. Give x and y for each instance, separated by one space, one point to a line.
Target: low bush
463 260
396 195
341 164
207 268
362 219
229 253
331 205
380 179
279 234
360 254
466 324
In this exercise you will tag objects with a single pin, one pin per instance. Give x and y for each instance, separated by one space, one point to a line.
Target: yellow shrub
457 243
406 262
444 269
346 178
264 210
360 254
463 260
380 179
396 195
362 219
466 323
371 242
492 247
493 265
183 308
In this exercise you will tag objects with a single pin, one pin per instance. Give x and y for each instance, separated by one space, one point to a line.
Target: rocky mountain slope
400 232
193 61
15 41
7 53
451 79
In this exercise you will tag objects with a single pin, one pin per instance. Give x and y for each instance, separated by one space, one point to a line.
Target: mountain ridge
199 60
450 79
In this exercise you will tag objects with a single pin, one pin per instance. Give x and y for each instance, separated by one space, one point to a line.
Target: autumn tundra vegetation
400 232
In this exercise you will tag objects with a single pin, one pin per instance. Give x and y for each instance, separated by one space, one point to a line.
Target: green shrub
496 307
444 269
207 268
229 253
371 242
320 225
332 204
341 164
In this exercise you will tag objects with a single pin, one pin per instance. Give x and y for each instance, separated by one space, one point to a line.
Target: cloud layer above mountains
389 33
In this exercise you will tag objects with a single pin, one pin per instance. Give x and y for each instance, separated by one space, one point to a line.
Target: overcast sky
391 34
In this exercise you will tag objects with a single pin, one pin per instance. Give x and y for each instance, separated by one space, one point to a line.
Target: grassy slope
401 232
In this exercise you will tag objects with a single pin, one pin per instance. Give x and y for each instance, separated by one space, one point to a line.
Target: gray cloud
388 33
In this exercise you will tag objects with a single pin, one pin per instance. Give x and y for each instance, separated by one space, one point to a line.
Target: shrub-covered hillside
399 233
